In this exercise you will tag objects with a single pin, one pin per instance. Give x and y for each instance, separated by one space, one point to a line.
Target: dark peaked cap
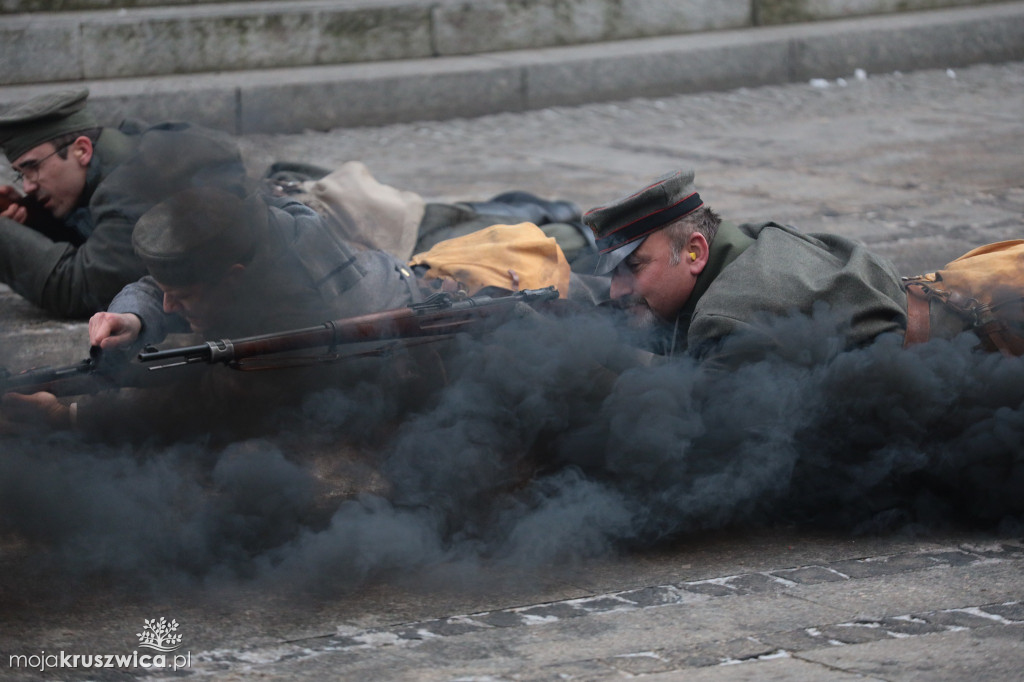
621 226
197 234
29 124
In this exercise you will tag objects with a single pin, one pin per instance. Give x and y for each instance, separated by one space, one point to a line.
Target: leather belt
918 322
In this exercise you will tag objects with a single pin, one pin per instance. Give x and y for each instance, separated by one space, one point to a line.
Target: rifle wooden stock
441 314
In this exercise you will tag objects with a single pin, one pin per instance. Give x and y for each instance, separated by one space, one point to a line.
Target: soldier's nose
620 286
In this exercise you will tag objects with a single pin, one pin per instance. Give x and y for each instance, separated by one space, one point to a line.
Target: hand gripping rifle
439 316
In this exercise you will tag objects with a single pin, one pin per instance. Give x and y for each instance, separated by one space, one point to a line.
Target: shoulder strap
918 315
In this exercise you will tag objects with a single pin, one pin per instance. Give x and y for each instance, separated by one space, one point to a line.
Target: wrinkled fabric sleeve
145 300
63 279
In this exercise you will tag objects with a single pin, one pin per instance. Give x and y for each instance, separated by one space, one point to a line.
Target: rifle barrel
435 316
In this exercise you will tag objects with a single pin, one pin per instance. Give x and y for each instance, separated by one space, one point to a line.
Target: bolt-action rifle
441 315
92 375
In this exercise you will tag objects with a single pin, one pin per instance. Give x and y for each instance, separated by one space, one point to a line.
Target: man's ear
81 150
697 253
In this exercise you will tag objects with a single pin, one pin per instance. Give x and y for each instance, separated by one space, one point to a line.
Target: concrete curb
321 98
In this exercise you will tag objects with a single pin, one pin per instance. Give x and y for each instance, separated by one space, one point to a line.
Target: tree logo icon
159 635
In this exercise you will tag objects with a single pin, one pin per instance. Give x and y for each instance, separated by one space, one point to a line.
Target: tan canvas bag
984 287
511 257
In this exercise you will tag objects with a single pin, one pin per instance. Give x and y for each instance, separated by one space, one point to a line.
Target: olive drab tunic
757 271
133 168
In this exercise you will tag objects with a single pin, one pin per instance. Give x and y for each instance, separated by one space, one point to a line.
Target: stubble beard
639 313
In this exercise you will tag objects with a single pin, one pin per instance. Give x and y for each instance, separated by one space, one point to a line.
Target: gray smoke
548 445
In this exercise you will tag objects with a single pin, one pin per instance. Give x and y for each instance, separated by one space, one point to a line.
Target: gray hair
704 220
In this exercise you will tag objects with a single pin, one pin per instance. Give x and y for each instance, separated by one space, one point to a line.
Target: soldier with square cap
675 265
226 266
88 185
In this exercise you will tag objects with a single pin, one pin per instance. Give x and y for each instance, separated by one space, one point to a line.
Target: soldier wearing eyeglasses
65 235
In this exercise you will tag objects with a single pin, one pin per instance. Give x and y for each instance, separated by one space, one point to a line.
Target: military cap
197 234
621 226
29 124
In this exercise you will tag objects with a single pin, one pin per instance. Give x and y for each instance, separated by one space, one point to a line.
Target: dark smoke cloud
537 453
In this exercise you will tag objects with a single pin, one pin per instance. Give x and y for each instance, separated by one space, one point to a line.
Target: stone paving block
909 44
640 663
582 670
473 27
652 69
909 626
1003 551
854 633
602 605
551 611
956 619
501 619
809 575
238 38
1012 612
884 566
717 653
953 558
709 589
650 596
77 5
201 104
444 627
767 12
27 52
795 640
379 92
756 582
989 654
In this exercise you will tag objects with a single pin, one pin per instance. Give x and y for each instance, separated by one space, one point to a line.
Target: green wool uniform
759 271
132 169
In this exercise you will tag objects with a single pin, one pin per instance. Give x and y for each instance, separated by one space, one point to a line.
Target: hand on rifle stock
113 330
23 413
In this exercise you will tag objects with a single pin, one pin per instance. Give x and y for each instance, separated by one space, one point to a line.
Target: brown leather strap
994 333
918 322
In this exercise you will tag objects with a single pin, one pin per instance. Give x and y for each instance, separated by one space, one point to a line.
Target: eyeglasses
30 169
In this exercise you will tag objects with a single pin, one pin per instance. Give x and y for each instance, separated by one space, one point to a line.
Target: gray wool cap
29 124
196 235
621 226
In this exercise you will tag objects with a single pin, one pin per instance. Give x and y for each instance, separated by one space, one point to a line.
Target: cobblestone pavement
922 166
790 622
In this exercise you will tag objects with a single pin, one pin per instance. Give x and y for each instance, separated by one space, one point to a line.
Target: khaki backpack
984 288
511 257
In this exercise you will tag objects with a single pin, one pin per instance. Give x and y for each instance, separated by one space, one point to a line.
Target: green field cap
29 124
621 226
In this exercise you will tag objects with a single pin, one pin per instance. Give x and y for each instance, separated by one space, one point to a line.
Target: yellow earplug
693 256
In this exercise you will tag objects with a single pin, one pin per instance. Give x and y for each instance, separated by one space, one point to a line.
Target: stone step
325 97
24 6
103 39
203 38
